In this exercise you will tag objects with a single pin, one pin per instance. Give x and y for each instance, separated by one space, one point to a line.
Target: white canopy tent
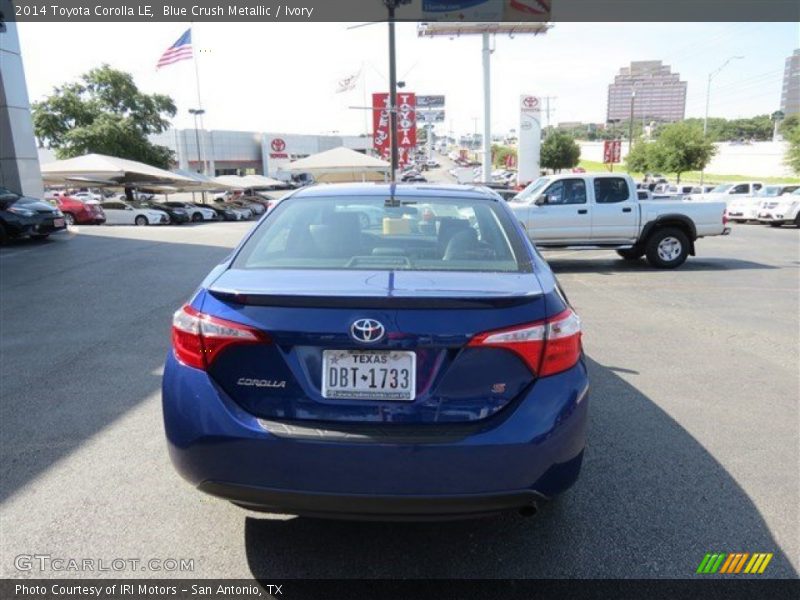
246 182
341 164
108 171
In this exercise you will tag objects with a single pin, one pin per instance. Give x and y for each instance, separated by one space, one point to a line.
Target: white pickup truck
602 210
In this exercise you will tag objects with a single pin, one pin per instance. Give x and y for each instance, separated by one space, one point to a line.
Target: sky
282 77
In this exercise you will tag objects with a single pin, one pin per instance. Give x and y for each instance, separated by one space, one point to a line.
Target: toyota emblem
367 331
278 145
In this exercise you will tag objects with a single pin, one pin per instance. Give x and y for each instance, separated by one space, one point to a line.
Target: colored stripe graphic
733 563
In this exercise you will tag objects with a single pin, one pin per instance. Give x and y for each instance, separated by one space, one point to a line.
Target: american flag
180 50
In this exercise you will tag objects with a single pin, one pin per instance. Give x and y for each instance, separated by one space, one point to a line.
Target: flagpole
206 162
364 94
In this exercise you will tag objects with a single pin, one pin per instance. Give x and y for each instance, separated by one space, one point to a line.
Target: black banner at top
521 12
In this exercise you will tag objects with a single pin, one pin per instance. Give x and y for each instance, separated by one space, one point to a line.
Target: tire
197 217
141 221
69 219
667 248
4 237
631 254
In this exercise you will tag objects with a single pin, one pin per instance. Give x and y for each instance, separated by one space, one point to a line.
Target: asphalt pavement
693 442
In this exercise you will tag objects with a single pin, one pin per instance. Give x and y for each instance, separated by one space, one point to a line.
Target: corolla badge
367 331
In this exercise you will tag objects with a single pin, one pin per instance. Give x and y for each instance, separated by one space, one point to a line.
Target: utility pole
487 111
547 112
391 5
708 101
630 122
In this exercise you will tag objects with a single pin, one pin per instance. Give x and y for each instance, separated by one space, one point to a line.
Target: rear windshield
376 233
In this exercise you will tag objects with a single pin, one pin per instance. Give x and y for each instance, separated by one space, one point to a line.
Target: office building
660 95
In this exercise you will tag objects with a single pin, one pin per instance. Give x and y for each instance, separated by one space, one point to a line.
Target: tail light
197 338
725 217
547 347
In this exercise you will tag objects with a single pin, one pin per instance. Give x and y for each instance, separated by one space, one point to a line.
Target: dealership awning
341 164
111 171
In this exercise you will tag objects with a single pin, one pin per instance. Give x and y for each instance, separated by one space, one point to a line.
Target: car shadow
85 328
650 502
614 265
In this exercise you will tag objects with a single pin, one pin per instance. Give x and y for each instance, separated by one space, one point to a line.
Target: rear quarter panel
706 216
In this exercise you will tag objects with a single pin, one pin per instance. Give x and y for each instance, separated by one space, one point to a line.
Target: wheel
69 219
775 224
3 235
631 254
141 220
667 248
197 217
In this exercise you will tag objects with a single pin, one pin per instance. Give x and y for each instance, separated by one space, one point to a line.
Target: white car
87 196
783 210
727 192
122 213
196 213
432 163
747 208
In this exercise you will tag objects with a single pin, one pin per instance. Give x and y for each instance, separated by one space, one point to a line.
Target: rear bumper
370 506
529 451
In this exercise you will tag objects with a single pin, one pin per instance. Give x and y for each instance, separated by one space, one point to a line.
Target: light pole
630 122
708 100
196 112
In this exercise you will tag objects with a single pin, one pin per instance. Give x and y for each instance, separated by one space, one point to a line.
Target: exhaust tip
529 511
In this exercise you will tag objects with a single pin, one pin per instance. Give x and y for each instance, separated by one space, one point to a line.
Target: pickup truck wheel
667 248
631 254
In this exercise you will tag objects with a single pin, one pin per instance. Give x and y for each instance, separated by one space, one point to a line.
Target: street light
196 112
630 122
708 100
391 5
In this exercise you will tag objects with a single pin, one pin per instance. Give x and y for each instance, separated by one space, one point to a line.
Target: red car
78 212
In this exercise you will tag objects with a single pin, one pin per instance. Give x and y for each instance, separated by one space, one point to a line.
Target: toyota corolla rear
411 366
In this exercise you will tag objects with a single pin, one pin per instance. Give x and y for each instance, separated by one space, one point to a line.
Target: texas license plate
58 223
369 375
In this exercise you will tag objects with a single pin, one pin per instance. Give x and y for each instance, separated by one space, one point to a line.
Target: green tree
788 124
640 158
560 151
793 153
500 153
680 147
104 112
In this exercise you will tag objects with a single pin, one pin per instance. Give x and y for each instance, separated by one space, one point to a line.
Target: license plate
58 222
369 375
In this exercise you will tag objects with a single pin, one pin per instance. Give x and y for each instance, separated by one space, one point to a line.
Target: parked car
783 210
603 209
85 196
22 216
224 213
726 192
413 179
121 213
432 163
78 212
177 216
741 210
256 208
197 212
407 394
243 214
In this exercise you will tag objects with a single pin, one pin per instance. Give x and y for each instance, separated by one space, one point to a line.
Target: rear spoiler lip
376 302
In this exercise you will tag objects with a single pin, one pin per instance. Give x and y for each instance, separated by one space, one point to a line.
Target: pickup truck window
566 191
742 188
529 192
608 190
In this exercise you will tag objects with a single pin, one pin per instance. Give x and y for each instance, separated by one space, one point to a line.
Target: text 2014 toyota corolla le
379 351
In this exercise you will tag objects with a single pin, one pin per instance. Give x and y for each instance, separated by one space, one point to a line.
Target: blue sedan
424 364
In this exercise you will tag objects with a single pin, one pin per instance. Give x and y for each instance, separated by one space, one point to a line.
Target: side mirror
541 200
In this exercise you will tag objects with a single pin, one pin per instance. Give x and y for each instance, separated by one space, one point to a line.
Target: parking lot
693 443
